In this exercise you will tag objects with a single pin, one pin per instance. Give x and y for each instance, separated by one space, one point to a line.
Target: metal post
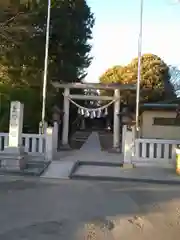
139 67
46 64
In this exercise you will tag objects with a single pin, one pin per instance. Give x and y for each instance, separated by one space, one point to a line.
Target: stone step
10 156
34 168
78 140
35 164
80 137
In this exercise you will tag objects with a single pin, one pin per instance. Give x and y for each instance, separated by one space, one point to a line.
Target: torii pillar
116 128
65 131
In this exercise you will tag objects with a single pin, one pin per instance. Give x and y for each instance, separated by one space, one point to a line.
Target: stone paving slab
59 170
78 139
106 140
140 174
92 144
90 152
101 158
62 155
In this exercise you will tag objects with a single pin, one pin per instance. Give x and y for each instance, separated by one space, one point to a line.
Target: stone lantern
57 114
127 117
178 111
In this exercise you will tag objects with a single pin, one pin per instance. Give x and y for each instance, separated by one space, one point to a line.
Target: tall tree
112 75
154 77
24 25
71 25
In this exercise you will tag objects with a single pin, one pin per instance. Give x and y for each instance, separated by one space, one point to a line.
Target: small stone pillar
14 156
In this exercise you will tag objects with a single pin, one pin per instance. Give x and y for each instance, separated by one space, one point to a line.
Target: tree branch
10 19
9 38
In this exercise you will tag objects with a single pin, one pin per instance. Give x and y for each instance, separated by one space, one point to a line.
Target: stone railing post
51 141
55 137
49 144
128 143
124 129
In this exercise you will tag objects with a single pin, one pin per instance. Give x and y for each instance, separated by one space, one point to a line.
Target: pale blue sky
115 34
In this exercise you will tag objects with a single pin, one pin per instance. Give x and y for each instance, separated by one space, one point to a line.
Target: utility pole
46 65
139 66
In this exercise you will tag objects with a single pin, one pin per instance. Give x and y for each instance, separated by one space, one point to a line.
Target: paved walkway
140 174
92 144
91 163
90 151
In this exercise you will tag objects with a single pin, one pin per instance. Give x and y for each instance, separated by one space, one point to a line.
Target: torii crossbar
114 87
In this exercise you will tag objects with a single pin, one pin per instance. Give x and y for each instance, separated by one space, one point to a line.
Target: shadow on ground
88 210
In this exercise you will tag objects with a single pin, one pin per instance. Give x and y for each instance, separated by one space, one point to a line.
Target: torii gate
116 100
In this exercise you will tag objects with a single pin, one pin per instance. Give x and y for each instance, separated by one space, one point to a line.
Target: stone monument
14 156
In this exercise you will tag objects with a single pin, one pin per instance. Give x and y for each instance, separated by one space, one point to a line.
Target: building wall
149 130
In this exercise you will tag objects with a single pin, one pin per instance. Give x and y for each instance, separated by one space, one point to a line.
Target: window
166 121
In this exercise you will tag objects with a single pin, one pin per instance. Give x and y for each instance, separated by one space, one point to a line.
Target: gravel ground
34 210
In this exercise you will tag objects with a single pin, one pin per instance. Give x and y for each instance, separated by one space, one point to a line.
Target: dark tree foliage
22 46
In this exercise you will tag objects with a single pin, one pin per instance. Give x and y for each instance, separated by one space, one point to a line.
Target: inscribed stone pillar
14 156
16 124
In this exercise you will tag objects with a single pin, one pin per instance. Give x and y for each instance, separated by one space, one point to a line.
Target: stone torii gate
116 100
